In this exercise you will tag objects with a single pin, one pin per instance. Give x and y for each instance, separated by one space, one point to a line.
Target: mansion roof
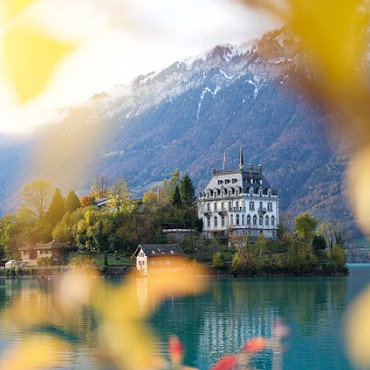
238 181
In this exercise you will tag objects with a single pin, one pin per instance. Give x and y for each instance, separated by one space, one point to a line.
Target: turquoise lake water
233 310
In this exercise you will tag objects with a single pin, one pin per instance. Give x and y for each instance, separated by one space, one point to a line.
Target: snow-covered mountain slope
186 117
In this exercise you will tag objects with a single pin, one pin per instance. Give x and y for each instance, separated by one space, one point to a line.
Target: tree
305 225
260 243
10 228
339 255
319 243
169 187
243 262
176 200
35 199
72 202
151 200
56 209
218 260
119 196
87 201
240 240
100 186
187 191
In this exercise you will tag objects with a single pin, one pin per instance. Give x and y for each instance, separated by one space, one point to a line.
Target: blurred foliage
124 338
337 35
30 54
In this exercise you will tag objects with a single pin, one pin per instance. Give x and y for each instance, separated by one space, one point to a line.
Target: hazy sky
120 39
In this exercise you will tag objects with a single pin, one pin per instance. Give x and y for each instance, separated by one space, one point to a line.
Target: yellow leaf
30 58
34 353
13 7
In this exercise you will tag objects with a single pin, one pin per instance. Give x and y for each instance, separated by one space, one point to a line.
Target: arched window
254 220
243 219
222 220
222 205
261 204
208 221
231 220
229 206
237 219
260 221
249 220
237 206
267 221
269 206
215 206
272 220
216 221
208 207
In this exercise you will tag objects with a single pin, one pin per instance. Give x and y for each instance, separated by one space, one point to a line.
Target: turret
241 159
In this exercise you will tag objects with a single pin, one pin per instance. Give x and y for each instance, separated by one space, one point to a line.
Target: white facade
239 202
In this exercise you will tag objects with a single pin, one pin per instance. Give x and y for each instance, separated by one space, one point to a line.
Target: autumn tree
119 195
218 260
305 225
260 243
151 200
339 255
100 187
56 209
72 202
35 199
240 241
87 201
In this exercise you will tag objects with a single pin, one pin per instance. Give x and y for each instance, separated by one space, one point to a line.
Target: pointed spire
241 159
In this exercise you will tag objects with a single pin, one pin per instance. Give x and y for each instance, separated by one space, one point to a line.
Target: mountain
187 116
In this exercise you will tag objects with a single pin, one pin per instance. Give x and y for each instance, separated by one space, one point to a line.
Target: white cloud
123 38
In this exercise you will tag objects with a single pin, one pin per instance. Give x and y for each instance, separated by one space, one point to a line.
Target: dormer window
234 181
227 181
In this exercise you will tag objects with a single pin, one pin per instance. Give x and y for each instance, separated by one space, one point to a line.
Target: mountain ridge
187 116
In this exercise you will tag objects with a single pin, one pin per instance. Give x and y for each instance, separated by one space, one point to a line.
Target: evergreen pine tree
72 202
187 191
56 209
176 198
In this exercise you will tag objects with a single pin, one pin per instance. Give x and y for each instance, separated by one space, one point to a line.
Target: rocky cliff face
186 117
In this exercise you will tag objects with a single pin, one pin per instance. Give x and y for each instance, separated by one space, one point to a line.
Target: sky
116 41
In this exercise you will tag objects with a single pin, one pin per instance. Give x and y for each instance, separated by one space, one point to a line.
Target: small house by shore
54 250
151 258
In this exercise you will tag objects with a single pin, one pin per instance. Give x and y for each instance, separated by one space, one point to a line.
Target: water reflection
237 309
218 322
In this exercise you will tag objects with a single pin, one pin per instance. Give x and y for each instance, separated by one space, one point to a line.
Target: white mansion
239 202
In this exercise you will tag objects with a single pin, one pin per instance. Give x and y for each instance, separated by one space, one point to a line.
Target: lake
232 311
